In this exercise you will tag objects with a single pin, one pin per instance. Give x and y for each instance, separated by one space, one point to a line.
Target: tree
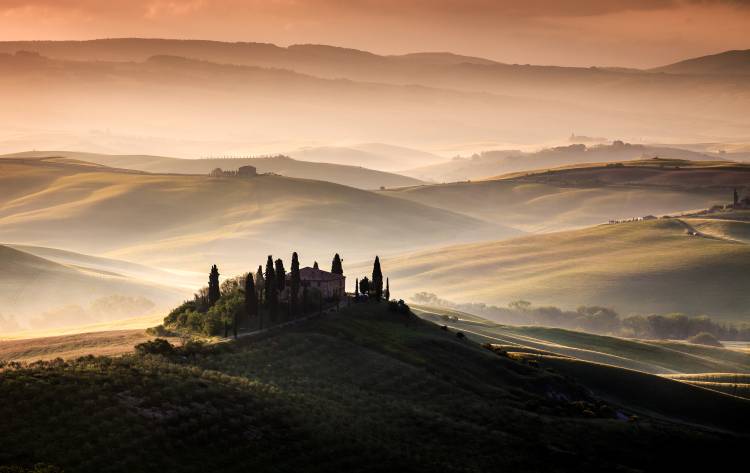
364 286
356 287
251 297
294 283
377 279
270 281
214 291
387 289
272 291
280 275
260 283
336 267
736 198
315 265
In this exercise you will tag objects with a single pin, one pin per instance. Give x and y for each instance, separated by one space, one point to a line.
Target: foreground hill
190 222
638 267
39 293
583 195
352 176
352 392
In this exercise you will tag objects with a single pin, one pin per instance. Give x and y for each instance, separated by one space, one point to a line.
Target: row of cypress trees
262 290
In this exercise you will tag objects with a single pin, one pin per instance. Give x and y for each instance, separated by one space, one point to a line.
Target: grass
171 220
586 194
650 356
361 390
640 267
105 343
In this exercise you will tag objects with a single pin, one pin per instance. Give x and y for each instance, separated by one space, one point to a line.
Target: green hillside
586 194
646 267
353 176
650 356
189 222
362 390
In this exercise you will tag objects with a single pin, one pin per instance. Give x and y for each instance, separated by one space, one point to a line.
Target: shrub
157 346
160 331
705 338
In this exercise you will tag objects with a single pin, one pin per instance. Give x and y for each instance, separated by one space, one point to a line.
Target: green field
361 390
650 356
646 267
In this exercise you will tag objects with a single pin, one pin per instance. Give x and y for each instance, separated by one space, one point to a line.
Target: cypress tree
294 283
315 265
377 279
260 283
251 297
280 275
214 292
356 287
270 281
736 198
272 292
336 267
387 289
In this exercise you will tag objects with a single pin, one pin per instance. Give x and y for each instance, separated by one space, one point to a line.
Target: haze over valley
374 236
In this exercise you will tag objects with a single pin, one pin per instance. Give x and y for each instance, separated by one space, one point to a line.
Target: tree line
264 298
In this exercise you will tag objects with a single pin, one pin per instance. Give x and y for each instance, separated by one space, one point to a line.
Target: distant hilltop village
272 297
243 171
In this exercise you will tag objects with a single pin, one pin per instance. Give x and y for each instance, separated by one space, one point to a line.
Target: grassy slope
587 194
353 176
361 391
643 267
30 285
655 357
190 222
116 342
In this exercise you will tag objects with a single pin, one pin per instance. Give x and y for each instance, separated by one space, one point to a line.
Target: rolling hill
224 97
189 222
649 356
638 267
495 163
581 195
728 62
347 175
348 391
39 293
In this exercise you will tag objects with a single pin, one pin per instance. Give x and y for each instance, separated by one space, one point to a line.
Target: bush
158 346
160 331
705 338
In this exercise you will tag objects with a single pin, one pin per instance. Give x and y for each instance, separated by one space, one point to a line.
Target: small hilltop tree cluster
373 288
254 301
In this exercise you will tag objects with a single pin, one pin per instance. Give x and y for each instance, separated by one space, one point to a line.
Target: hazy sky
636 33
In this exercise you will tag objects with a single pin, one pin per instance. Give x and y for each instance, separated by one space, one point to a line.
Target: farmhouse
331 285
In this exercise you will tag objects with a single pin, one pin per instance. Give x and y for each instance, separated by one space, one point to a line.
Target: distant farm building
247 171
243 171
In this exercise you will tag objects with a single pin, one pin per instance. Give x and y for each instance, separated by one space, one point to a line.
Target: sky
629 33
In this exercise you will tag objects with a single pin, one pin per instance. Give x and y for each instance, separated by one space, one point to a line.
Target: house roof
312 274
